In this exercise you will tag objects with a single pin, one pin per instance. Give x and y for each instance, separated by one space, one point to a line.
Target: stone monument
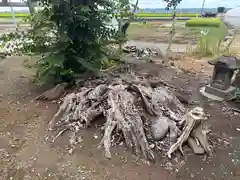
222 86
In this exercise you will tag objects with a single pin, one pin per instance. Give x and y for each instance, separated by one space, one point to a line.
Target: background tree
124 16
221 9
172 4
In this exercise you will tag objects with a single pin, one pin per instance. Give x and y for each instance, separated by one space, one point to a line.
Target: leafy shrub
210 41
69 36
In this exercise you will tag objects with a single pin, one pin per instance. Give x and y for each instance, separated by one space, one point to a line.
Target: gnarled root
201 135
195 146
192 120
54 93
125 115
175 132
116 104
121 105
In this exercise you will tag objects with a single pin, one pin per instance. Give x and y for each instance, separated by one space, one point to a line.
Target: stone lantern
221 87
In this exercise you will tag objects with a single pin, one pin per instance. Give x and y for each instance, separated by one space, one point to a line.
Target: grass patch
156 32
210 41
204 22
166 15
8 15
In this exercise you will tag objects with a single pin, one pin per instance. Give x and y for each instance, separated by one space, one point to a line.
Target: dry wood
236 110
122 104
193 117
54 93
195 146
201 135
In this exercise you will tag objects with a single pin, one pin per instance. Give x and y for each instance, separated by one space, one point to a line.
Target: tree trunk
120 23
172 32
30 6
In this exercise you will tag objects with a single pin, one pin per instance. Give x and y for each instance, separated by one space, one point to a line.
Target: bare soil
26 153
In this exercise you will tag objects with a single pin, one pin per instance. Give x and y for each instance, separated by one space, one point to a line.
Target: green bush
211 41
69 37
204 22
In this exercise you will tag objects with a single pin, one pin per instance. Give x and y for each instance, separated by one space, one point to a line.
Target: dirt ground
26 152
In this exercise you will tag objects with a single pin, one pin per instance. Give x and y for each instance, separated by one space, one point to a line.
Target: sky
160 4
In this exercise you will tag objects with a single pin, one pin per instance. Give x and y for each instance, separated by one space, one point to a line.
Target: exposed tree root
200 134
192 119
123 106
195 146
53 93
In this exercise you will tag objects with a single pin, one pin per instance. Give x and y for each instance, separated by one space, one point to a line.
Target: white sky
160 4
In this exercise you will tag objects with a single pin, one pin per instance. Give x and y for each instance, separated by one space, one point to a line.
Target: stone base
217 94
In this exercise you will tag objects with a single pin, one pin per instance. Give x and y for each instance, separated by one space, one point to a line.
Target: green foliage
221 9
212 34
70 36
108 63
211 41
122 9
172 3
204 22
124 17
